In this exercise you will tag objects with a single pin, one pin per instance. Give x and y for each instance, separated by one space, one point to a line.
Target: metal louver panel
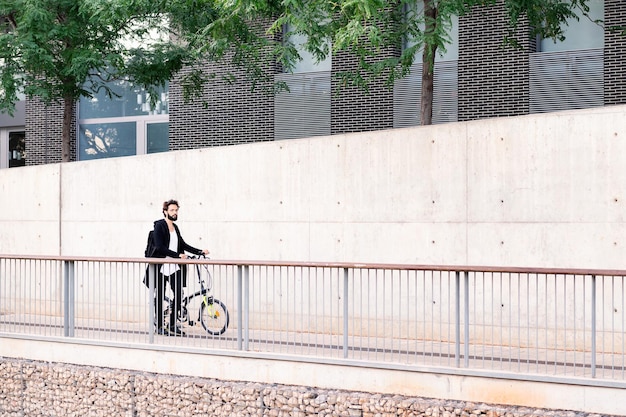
407 94
304 111
566 80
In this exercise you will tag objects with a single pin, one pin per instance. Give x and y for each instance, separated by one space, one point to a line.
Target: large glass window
123 124
126 100
106 140
583 33
407 91
304 110
451 52
308 63
568 74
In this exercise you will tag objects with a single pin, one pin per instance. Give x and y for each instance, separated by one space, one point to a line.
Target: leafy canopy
64 49
58 49
255 32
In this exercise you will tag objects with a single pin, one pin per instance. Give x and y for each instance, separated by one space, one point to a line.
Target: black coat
162 243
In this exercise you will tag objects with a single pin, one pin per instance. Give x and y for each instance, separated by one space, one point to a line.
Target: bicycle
212 314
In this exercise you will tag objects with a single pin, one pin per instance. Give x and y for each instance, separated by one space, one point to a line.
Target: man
169 243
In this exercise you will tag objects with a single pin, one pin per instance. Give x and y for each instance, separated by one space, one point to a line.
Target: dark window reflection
158 137
107 140
17 149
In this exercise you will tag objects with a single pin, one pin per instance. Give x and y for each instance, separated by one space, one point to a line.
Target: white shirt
169 269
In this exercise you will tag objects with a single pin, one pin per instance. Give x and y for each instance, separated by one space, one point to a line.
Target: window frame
141 129
141 121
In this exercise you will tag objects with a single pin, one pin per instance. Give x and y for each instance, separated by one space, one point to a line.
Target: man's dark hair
168 203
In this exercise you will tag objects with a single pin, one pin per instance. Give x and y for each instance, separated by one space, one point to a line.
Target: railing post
345 313
68 298
466 314
243 305
151 271
457 324
594 317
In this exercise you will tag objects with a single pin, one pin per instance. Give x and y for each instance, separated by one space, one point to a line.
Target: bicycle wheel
214 316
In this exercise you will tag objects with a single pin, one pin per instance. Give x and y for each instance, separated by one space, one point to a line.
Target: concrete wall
542 190
538 190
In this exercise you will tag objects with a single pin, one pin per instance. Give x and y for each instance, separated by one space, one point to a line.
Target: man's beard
173 218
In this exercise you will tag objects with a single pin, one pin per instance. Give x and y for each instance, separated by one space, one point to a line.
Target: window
12 148
452 49
569 75
308 62
122 125
407 91
106 140
304 110
580 34
158 137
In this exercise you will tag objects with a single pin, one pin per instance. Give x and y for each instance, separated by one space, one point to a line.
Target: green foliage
63 49
253 33
364 28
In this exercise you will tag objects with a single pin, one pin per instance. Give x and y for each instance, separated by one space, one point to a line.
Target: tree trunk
428 64
66 138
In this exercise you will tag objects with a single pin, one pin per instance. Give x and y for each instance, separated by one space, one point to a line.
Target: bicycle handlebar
203 256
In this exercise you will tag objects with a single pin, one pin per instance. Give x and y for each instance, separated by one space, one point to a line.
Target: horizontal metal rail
533 323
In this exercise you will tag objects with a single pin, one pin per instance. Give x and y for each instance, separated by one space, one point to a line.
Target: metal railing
537 323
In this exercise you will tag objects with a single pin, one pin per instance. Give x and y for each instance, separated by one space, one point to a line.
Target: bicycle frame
211 312
204 290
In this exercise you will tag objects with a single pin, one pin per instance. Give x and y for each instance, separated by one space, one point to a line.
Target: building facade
478 77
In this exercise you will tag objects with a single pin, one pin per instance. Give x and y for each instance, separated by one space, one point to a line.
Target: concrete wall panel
419 243
30 201
538 190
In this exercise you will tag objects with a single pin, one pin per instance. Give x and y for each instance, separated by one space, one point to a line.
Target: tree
362 27
61 50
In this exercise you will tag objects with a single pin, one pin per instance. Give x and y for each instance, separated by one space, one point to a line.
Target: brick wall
226 114
354 110
351 108
229 110
614 53
44 127
493 78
